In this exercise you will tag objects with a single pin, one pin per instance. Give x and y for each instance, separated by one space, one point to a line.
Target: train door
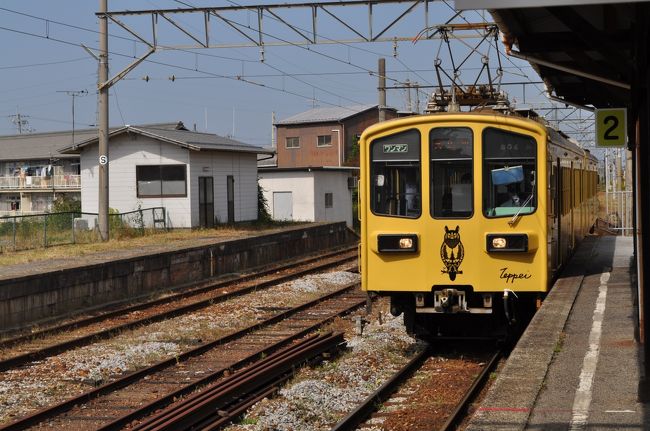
554 216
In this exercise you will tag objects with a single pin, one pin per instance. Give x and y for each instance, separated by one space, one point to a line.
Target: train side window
509 173
396 188
451 152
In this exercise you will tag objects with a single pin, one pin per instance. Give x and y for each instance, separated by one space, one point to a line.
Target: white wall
242 166
308 192
301 186
335 182
125 152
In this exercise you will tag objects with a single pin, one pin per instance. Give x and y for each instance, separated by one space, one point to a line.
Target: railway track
131 397
24 349
370 404
219 404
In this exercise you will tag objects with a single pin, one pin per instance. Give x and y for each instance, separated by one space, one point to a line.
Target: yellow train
466 218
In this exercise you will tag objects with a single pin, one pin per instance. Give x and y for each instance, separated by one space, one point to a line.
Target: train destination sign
396 148
611 127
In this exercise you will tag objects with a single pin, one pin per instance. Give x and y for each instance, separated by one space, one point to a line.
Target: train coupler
449 300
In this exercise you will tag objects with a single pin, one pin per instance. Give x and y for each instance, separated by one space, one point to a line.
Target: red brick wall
309 153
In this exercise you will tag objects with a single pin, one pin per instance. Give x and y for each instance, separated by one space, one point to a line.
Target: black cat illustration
452 252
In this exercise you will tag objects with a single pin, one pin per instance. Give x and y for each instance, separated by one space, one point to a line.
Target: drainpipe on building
340 146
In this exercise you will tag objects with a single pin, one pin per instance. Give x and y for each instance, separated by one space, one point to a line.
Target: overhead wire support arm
345 24
190 35
396 20
279 18
125 71
231 25
255 36
132 32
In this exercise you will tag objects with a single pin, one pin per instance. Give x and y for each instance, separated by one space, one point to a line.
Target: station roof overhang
584 50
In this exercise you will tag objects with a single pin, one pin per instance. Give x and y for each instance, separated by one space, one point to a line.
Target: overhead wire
291 75
349 63
51 63
129 39
166 64
241 79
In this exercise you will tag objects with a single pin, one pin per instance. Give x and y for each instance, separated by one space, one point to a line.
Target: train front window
395 188
509 161
451 188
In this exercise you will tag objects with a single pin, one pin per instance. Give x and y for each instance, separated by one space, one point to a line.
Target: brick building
324 136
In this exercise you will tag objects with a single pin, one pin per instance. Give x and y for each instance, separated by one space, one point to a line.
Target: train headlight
400 243
511 242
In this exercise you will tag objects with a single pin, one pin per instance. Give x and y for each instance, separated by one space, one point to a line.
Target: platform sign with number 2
611 127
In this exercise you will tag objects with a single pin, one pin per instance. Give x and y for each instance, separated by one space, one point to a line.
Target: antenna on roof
20 121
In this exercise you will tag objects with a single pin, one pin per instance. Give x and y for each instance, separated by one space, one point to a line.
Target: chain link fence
24 232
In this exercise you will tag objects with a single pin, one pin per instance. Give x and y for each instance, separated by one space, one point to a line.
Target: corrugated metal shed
326 115
38 146
180 136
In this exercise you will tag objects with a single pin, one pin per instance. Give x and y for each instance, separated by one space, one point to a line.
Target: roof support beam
570 70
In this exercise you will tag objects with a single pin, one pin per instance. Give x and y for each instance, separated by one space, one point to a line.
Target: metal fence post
72 224
45 230
14 227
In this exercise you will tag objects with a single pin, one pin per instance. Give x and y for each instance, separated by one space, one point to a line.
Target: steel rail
202 406
458 414
54 349
167 399
369 405
126 380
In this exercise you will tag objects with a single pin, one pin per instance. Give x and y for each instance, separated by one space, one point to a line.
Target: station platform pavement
578 364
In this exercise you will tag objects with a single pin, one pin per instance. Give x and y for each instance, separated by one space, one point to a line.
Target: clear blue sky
42 59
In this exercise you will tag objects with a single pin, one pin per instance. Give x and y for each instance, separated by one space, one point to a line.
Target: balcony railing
53 182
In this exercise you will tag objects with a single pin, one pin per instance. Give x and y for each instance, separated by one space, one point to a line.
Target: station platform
47 290
578 364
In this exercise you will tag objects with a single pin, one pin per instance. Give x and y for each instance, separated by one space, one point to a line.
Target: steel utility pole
102 101
382 89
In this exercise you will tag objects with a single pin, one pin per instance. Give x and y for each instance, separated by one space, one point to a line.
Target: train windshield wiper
515 217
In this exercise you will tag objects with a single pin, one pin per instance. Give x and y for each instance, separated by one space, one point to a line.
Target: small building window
329 200
161 181
324 140
293 142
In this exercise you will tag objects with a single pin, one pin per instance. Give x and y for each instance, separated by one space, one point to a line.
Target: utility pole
273 131
382 89
103 122
21 122
409 105
73 93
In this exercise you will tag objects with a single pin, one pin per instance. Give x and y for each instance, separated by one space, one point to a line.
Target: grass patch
171 239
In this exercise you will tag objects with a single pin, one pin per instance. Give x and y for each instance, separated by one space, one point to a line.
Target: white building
200 178
309 194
